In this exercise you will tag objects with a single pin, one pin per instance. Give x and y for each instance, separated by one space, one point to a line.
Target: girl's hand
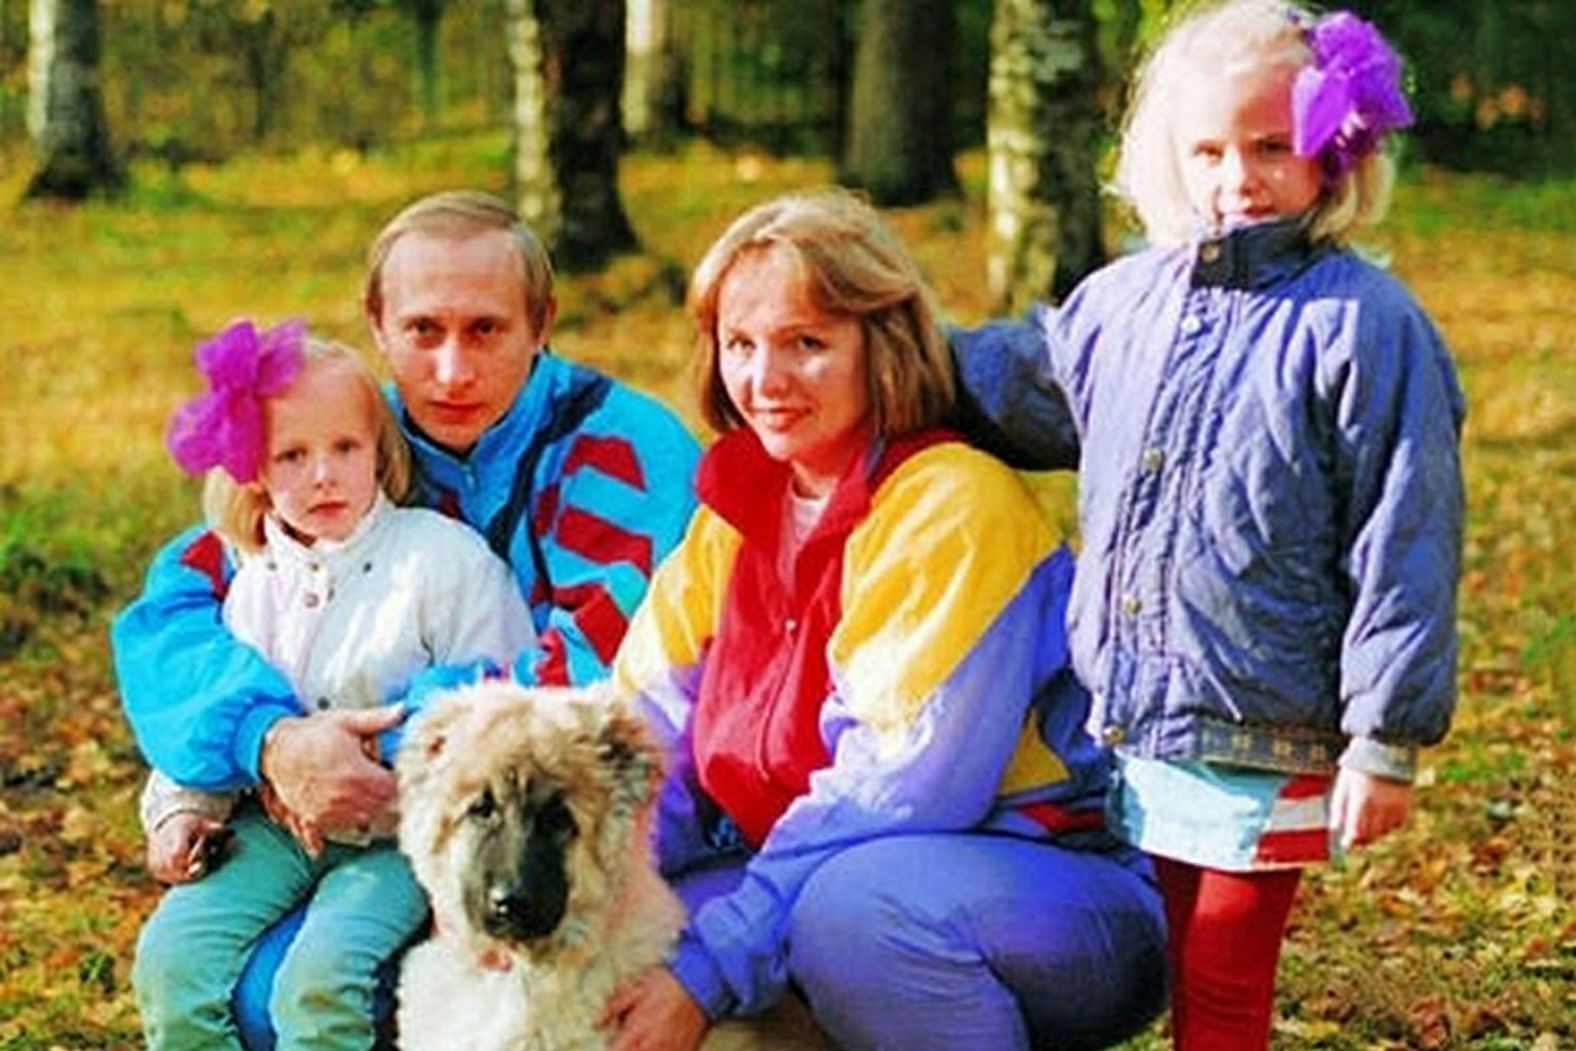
175 848
1364 808
654 1013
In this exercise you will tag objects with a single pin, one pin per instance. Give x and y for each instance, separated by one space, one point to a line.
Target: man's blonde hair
465 213
1218 39
850 264
235 510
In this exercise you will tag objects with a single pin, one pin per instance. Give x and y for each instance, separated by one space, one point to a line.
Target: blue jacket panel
582 487
1270 501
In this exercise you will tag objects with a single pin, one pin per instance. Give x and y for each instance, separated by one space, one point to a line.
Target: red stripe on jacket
206 556
614 457
602 541
757 735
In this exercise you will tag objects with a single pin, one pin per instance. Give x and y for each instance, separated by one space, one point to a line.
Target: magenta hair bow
1349 96
224 428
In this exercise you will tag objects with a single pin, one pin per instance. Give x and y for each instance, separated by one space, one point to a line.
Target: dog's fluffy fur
510 796
525 813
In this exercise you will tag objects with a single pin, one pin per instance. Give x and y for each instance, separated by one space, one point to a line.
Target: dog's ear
426 738
628 749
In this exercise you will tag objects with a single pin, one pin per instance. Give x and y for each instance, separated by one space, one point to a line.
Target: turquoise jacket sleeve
199 701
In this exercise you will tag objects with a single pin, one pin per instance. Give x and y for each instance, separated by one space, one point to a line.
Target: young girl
1270 490
349 596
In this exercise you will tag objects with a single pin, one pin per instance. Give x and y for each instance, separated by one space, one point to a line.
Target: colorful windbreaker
582 488
911 677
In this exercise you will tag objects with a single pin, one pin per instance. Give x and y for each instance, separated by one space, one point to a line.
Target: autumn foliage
1459 933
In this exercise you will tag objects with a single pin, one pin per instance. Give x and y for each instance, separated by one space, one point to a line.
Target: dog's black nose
515 914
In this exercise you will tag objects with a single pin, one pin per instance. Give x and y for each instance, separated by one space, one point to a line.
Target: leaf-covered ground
1459 933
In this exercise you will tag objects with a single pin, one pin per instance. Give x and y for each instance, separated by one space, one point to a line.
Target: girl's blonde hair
235 510
1221 38
851 264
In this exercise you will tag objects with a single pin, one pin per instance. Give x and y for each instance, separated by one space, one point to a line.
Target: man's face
455 331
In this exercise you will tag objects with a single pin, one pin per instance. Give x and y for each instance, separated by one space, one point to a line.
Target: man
581 484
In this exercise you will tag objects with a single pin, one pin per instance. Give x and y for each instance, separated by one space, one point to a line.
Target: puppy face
519 808
516 833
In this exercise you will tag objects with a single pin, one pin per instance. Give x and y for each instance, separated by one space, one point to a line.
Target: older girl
1270 487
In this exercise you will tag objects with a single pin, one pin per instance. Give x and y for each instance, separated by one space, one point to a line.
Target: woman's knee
884 967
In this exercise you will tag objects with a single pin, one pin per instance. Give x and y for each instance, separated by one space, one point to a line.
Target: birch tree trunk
653 90
1042 137
65 113
899 145
568 58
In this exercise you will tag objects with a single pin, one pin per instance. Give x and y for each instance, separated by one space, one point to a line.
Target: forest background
258 144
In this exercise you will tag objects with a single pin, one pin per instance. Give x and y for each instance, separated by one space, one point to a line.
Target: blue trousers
942 942
957 940
362 905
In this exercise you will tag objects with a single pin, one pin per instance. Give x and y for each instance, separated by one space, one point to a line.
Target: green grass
1456 934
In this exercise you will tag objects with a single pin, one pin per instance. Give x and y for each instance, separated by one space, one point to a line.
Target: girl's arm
949 625
1008 402
199 701
1399 410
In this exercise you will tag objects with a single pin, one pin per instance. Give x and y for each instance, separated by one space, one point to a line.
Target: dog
526 814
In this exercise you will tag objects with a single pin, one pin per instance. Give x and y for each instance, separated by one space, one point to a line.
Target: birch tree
568 58
65 112
1042 137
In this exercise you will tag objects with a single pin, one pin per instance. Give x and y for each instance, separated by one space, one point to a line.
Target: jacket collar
1254 256
499 445
284 549
755 507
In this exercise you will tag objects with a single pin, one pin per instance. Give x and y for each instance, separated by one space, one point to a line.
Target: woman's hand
176 848
654 1013
1364 807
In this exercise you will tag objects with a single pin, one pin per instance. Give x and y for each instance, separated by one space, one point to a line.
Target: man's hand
1364 807
655 1013
176 848
317 766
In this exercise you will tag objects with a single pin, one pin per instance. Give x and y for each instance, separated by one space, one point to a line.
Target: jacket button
1154 459
1191 324
1131 605
1210 252
310 600
1112 734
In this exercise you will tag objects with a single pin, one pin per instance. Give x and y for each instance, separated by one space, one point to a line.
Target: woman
881 787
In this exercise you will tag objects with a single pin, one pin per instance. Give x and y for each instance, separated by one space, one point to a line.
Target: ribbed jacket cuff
249 736
1393 762
701 978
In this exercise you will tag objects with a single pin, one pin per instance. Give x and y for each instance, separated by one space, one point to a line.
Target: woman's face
796 373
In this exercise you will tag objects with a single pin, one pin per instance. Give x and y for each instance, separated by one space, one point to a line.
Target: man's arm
199 701
623 502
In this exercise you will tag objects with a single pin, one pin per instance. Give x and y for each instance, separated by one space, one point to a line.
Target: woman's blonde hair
235 510
850 264
1219 38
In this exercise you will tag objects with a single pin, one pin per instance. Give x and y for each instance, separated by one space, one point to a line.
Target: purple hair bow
224 428
1349 96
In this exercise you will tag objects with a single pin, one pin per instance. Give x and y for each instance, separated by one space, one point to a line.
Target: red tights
1226 930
